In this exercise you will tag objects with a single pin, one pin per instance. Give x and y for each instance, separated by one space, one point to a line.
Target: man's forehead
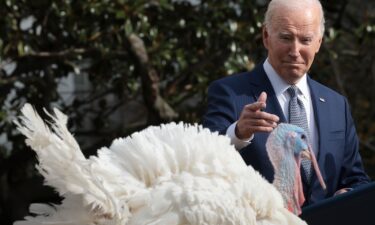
290 20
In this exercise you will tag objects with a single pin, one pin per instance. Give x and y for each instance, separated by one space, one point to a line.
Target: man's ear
265 36
319 44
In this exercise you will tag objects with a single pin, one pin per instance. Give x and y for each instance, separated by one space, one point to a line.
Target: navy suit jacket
338 156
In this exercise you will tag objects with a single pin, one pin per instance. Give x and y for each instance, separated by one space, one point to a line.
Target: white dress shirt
280 87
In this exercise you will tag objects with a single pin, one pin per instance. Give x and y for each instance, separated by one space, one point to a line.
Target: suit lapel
260 83
320 105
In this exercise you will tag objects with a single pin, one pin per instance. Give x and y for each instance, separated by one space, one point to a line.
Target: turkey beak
309 154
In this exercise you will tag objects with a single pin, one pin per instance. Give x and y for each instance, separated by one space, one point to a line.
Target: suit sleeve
352 173
221 111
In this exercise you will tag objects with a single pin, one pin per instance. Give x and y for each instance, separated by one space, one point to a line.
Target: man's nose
295 48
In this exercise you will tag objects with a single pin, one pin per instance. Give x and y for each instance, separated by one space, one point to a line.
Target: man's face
292 40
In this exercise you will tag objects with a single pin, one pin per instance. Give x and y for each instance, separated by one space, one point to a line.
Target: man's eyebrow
310 34
285 33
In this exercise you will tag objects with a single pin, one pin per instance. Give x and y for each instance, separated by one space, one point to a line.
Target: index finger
255 106
267 116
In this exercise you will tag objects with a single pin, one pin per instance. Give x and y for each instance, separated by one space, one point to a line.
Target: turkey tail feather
57 150
61 161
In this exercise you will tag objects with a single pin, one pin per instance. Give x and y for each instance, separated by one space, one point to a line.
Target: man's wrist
235 140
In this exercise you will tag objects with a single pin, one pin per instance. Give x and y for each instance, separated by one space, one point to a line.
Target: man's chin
292 76
297 69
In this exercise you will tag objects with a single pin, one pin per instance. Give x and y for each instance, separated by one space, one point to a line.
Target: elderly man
247 106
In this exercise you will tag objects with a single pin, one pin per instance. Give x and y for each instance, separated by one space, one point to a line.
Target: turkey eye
303 137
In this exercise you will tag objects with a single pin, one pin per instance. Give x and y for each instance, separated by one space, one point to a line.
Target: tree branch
158 108
336 72
368 145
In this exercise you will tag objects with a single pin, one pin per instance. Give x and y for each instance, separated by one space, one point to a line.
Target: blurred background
118 66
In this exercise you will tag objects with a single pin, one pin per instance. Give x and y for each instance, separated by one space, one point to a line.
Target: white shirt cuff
238 143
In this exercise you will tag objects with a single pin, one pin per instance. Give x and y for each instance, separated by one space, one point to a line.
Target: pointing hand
253 119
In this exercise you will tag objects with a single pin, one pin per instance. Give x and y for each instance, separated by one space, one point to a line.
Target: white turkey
169 175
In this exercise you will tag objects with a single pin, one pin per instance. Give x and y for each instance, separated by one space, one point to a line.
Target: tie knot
292 90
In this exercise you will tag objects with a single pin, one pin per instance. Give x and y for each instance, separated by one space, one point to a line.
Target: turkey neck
287 180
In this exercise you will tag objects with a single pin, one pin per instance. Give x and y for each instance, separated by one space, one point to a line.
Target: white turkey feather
169 174
61 161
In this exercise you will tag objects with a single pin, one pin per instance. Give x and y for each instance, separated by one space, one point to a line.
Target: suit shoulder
234 80
326 91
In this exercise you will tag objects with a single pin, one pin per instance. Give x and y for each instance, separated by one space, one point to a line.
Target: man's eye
306 40
285 38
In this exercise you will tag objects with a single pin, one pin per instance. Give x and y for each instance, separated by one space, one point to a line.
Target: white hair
300 4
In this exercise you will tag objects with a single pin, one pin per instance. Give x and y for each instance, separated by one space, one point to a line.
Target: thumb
262 97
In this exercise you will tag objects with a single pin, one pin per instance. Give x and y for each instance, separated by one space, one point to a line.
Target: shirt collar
279 85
